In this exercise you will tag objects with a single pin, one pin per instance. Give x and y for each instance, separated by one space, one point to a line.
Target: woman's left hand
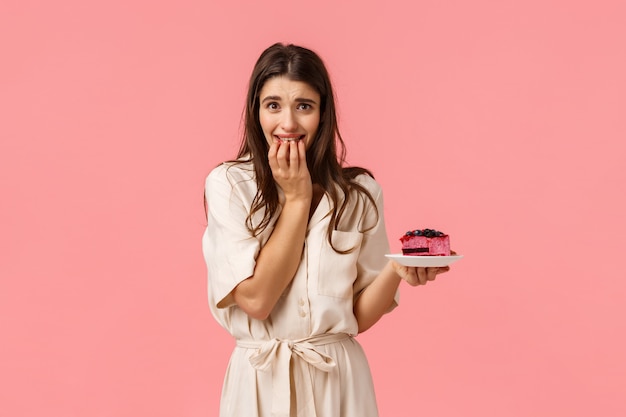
419 275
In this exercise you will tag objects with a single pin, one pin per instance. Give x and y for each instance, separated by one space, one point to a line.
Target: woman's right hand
288 163
278 260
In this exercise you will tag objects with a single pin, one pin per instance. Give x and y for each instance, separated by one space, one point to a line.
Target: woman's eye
304 106
273 106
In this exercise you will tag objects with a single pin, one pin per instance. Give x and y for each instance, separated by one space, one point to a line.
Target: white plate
424 261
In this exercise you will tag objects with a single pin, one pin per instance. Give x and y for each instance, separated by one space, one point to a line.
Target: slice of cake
425 242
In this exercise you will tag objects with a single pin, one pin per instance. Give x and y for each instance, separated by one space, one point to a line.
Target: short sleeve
229 249
374 246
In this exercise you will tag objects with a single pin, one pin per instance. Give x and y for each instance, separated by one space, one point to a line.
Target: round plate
424 261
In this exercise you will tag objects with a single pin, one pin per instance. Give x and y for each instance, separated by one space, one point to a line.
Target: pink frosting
427 246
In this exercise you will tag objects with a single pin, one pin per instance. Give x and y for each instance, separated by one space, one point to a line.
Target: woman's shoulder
239 169
230 173
366 180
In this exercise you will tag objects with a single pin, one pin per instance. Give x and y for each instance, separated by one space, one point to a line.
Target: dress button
301 301
302 313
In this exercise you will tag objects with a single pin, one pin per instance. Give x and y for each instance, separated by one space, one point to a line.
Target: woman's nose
289 122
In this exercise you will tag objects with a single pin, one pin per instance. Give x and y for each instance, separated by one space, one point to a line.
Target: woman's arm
279 258
377 298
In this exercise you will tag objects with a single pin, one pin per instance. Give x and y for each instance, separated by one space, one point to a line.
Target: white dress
302 360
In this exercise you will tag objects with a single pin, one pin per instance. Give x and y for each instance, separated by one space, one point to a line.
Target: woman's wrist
297 203
392 268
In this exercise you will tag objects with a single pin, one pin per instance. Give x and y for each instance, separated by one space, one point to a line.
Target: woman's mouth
290 138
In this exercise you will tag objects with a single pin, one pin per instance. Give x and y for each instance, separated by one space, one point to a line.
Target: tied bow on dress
276 354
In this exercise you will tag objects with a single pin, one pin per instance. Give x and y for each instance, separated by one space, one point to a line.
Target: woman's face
289 110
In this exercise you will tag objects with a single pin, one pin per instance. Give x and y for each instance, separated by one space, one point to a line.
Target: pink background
112 113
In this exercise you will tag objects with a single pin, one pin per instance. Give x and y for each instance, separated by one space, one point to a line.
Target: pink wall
112 113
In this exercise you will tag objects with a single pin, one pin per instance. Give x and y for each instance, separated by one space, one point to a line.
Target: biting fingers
282 156
272 156
294 155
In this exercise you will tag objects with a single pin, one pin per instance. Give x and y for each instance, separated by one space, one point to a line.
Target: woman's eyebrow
275 98
305 100
299 99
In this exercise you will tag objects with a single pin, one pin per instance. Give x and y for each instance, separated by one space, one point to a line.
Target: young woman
295 249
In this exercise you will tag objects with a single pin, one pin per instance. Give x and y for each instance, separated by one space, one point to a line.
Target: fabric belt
275 354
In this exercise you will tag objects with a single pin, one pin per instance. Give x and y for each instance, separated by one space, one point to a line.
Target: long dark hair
326 155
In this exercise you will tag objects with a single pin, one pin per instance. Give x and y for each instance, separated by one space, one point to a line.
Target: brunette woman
295 249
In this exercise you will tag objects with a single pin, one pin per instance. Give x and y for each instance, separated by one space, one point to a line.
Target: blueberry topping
425 232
